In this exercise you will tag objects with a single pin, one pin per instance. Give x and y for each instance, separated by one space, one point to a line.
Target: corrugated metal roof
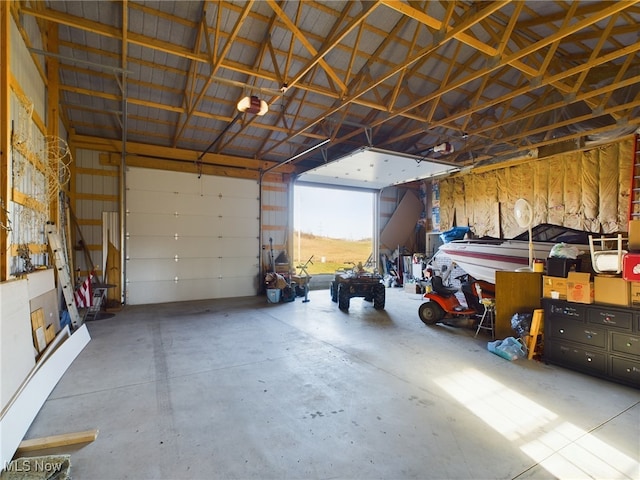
493 79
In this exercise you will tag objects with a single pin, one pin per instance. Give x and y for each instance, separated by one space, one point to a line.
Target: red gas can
631 267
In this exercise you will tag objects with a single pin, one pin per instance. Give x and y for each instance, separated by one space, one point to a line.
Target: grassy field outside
329 254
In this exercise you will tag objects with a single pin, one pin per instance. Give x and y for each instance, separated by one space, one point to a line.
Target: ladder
64 277
634 197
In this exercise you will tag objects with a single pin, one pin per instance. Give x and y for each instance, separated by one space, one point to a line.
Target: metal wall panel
190 238
89 207
26 74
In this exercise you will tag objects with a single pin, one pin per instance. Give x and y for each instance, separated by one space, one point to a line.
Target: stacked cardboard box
631 263
575 281
564 281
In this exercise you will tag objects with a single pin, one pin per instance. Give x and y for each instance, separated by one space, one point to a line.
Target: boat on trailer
482 257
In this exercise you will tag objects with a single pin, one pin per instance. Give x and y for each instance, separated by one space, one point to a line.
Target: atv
357 283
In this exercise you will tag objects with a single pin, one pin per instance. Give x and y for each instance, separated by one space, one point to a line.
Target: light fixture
445 147
254 105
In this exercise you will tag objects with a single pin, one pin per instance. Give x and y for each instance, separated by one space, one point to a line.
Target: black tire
334 291
379 294
343 297
430 313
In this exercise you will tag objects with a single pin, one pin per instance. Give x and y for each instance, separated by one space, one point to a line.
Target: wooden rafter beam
214 69
468 23
148 42
509 59
630 50
318 56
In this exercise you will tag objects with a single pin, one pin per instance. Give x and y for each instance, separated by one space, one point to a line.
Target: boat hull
481 259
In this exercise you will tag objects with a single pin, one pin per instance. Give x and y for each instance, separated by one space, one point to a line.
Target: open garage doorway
333 226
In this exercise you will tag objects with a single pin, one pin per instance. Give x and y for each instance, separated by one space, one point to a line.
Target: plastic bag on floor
521 323
509 348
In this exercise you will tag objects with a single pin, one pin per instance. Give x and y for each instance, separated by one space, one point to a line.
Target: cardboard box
580 287
631 267
612 291
635 294
554 284
634 236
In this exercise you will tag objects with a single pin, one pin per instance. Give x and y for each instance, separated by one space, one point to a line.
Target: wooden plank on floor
53 441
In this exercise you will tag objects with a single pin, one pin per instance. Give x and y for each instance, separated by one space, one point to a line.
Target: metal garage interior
160 142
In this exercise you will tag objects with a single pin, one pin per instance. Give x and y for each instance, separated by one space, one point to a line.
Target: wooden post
5 125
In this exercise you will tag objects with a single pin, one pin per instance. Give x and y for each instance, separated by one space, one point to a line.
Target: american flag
84 294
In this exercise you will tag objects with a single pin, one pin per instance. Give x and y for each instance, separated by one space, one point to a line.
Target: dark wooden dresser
594 339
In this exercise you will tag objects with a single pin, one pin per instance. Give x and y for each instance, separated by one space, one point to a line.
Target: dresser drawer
623 343
576 332
577 357
610 317
566 310
626 370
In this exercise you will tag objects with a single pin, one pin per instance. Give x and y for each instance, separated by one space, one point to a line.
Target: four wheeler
442 303
357 283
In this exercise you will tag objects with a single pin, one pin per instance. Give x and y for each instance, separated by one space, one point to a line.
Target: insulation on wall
586 190
555 191
589 182
608 198
572 191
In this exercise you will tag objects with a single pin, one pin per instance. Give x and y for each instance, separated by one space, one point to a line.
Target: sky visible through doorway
333 213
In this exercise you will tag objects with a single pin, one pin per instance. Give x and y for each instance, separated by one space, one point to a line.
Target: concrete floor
240 389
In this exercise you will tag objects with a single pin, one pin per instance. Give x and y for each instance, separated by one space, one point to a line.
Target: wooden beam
5 136
190 109
303 39
54 441
53 101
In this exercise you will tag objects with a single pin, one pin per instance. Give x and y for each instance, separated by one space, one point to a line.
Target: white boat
481 258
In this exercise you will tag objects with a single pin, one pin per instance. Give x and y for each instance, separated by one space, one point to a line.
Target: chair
439 288
487 321
608 259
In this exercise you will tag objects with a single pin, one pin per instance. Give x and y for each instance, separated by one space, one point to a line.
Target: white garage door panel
241 247
193 204
239 227
140 269
149 224
230 205
149 201
198 268
169 247
159 180
198 225
150 247
190 289
189 247
217 230
237 267
232 187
